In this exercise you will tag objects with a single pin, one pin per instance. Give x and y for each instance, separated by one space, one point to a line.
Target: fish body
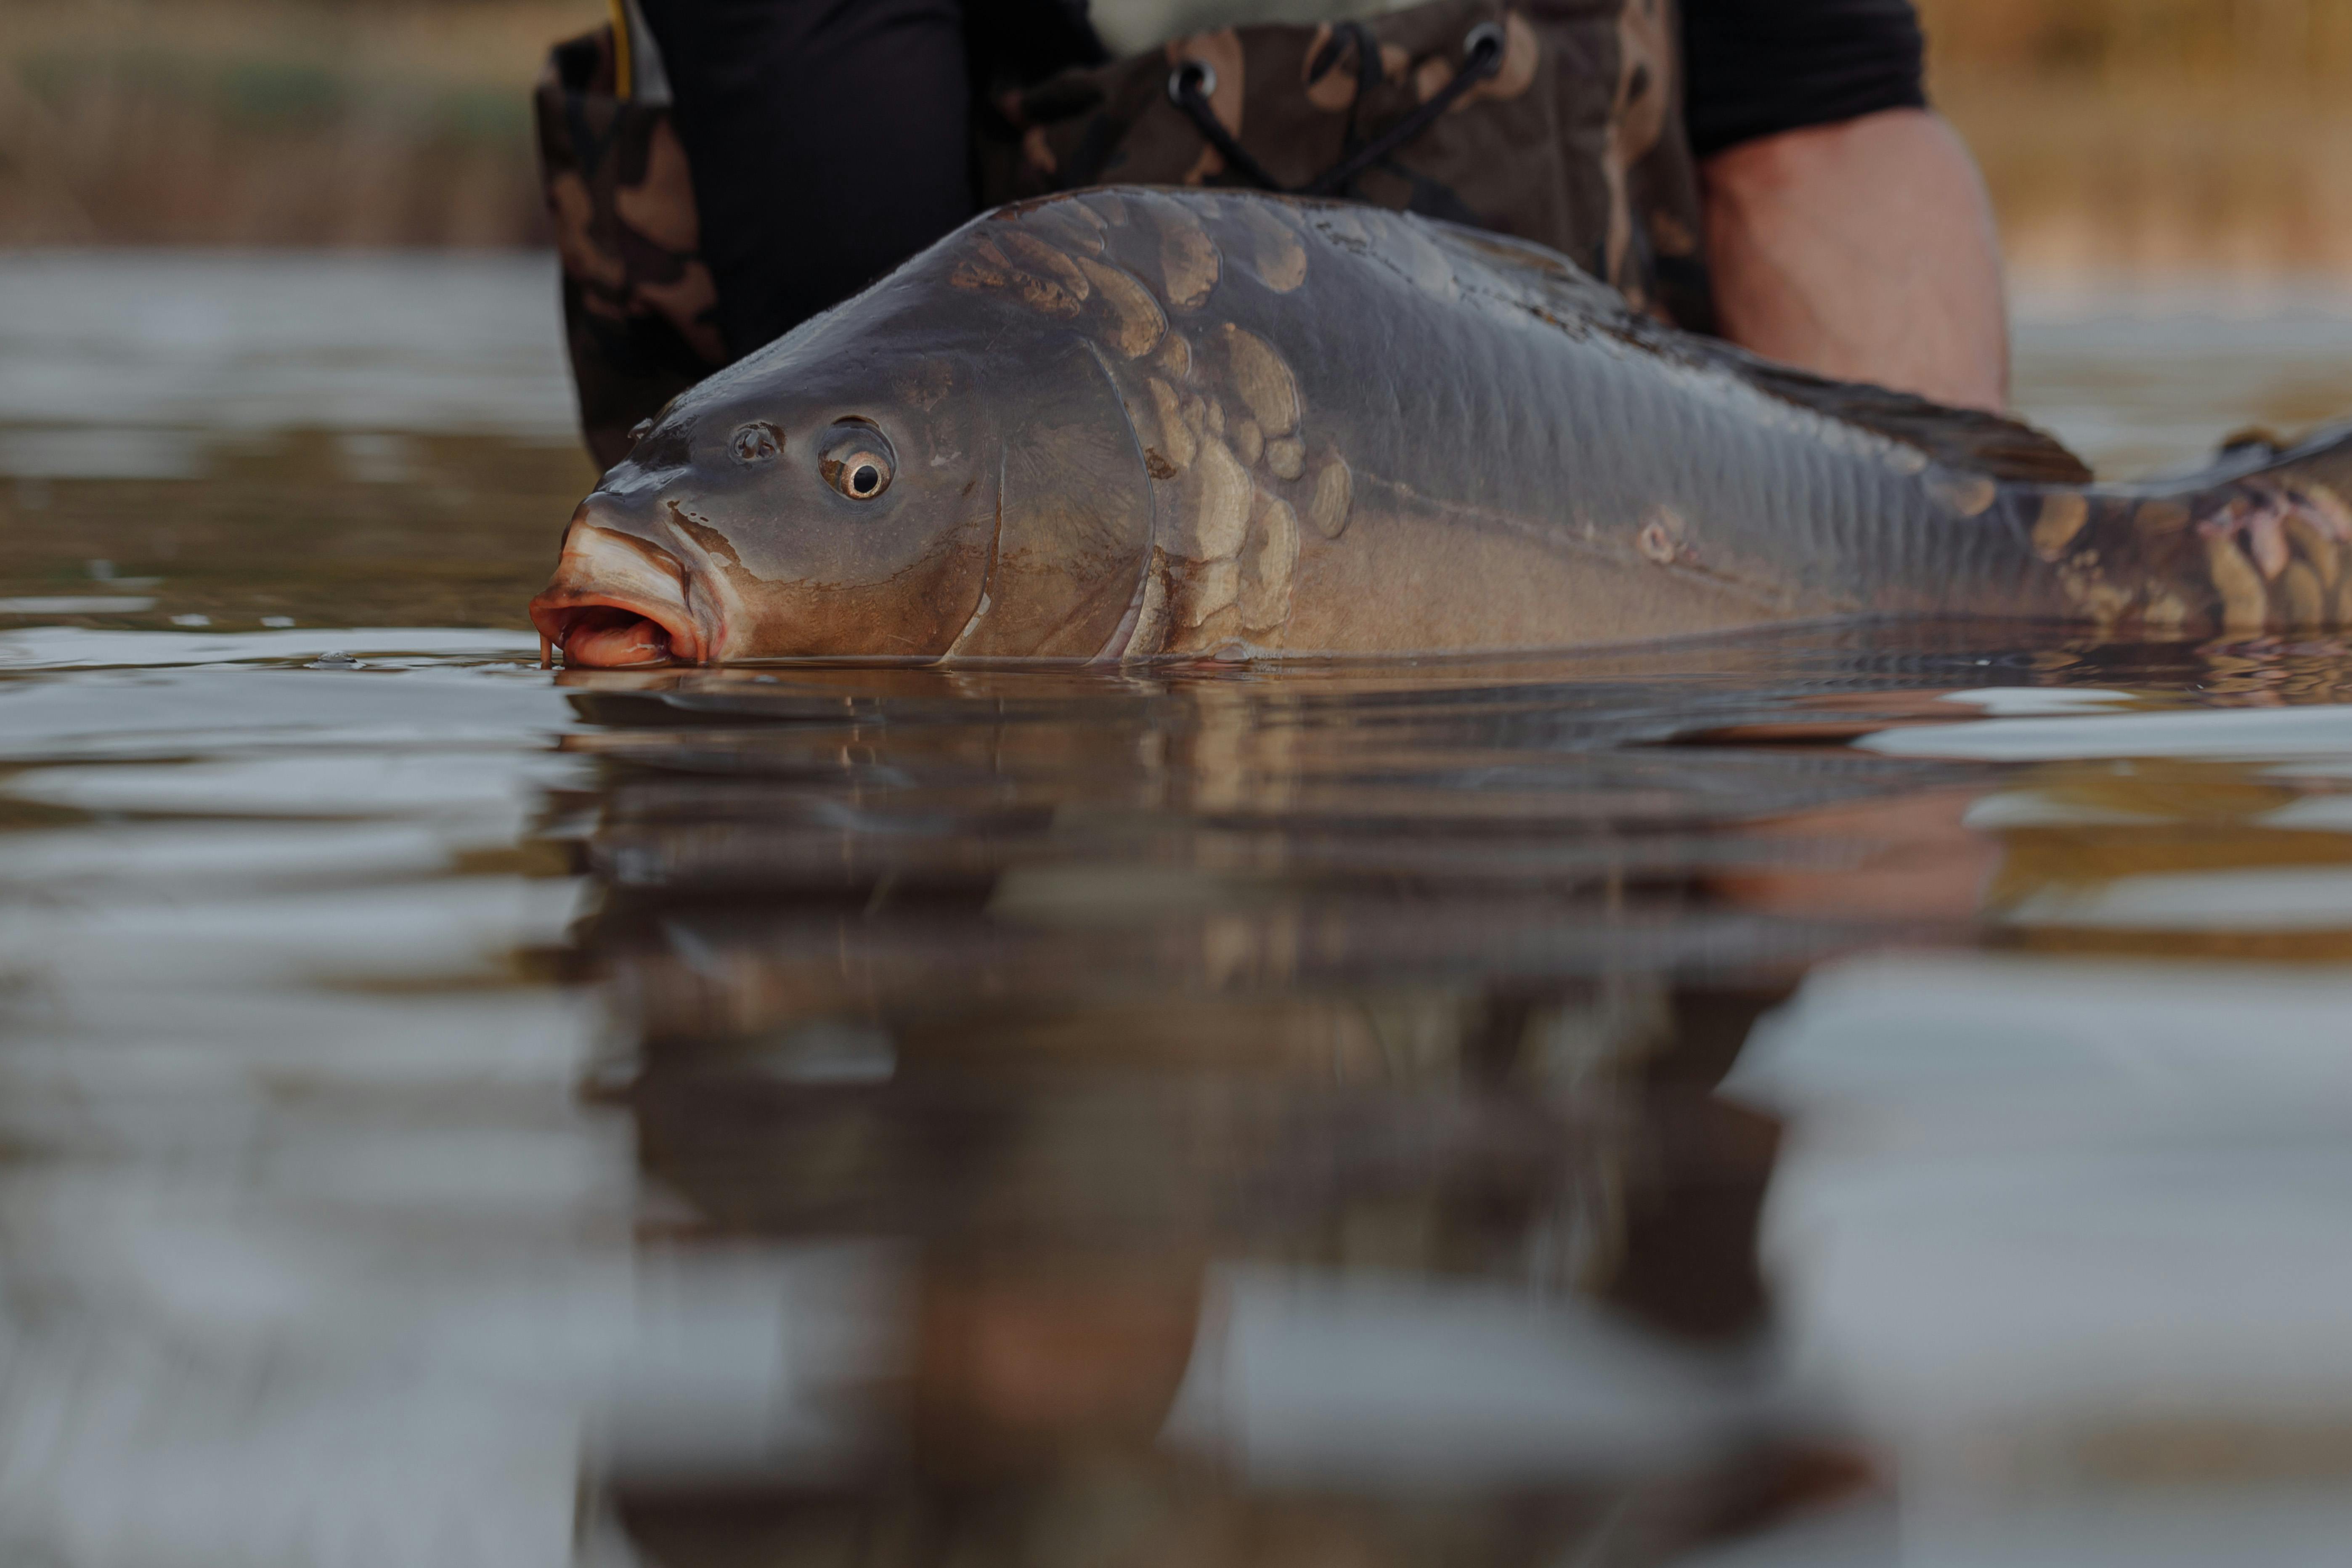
1132 424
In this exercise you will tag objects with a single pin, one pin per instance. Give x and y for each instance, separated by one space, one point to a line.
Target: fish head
924 472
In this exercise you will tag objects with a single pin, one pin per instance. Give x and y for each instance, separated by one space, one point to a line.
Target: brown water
1841 1096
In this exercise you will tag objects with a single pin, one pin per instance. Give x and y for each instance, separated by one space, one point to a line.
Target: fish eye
856 459
754 444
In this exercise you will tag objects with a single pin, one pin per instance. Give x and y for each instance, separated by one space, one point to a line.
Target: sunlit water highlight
1834 1096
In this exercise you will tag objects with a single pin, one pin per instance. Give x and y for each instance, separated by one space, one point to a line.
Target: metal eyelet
1488 36
1204 79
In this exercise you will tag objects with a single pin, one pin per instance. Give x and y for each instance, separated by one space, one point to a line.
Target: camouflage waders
639 306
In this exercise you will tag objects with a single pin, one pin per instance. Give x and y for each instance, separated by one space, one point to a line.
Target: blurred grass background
298 122
2135 136
2157 136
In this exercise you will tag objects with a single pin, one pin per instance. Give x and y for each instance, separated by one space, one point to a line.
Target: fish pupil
865 479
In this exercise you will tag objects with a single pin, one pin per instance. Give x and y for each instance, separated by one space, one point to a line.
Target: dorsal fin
1970 438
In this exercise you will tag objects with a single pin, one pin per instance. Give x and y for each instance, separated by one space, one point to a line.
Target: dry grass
2154 182
2118 135
272 121
2126 43
2157 136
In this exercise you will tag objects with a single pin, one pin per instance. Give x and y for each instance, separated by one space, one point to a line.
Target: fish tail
2259 540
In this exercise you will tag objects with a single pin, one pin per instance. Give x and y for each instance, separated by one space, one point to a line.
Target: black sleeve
830 139
1753 68
827 142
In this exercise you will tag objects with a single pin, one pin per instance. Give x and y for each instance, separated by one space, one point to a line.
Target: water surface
1842 1096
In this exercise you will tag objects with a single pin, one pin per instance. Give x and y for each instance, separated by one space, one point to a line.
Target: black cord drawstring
1192 82
1368 81
1189 87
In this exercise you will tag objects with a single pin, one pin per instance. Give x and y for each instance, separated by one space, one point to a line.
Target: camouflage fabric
639 306
1576 141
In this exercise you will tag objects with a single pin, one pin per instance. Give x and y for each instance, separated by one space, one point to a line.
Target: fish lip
558 613
609 565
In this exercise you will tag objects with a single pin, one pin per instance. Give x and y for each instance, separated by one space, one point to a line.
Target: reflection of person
1848 228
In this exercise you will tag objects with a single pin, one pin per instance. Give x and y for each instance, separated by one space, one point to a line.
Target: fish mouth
606 634
618 602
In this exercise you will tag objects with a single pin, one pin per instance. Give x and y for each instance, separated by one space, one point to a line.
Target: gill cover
1074 517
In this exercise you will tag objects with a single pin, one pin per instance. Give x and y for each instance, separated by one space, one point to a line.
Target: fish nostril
754 444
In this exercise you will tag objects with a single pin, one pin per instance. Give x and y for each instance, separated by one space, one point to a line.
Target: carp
1130 423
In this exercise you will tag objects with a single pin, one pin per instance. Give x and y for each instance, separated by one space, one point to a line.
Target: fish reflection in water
1283 1106
1306 1085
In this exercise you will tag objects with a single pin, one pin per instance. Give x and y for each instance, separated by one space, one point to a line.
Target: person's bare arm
1864 250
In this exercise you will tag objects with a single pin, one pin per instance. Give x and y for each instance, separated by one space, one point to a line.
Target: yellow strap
621 63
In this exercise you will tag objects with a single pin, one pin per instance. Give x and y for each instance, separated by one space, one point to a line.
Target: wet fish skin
1129 424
